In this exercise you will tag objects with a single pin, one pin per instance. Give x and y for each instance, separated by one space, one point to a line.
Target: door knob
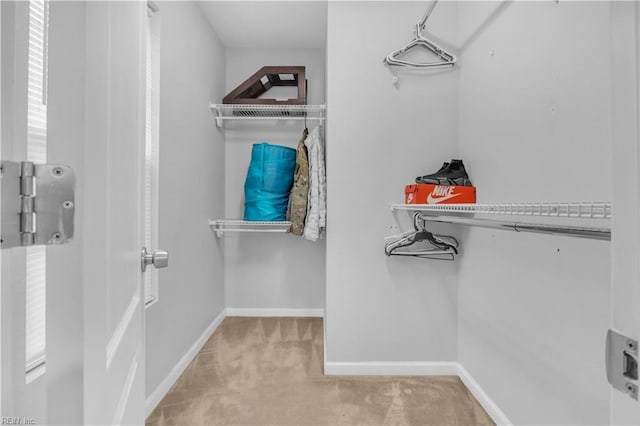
159 259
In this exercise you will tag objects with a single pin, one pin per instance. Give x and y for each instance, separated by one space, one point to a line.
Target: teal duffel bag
268 183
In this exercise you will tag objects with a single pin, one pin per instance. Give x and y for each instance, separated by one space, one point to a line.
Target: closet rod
570 231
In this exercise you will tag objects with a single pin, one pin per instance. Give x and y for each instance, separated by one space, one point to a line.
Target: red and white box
421 193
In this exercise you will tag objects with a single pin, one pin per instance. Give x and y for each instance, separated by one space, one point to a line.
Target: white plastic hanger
441 249
447 59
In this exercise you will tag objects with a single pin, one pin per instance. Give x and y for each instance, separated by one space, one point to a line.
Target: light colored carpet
268 371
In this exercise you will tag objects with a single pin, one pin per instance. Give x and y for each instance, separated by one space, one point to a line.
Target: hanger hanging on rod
446 59
443 250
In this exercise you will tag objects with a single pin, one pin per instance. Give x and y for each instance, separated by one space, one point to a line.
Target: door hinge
37 204
622 363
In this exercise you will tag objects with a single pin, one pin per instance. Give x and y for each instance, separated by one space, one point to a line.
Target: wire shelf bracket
220 226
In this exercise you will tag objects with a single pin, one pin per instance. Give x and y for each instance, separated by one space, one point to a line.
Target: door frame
16 392
625 223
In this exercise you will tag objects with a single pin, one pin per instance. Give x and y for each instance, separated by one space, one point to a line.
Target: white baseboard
391 368
156 396
274 312
492 409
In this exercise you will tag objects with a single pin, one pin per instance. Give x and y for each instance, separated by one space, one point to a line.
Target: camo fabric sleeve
300 190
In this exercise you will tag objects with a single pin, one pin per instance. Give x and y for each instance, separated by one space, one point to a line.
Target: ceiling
268 24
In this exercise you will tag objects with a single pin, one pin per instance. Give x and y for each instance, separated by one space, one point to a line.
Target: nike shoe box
421 193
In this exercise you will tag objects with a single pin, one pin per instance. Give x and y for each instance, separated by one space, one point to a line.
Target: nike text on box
439 194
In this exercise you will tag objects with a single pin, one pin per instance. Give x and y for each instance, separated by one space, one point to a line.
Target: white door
625 23
114 149
100 320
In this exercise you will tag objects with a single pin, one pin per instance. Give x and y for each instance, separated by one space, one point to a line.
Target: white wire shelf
599 210
581 219
225 112
220 226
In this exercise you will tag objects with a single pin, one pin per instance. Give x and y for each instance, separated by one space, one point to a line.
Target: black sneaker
453 174
442 169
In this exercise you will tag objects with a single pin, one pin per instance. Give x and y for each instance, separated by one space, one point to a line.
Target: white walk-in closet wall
536 125
191 291
280 272
529 109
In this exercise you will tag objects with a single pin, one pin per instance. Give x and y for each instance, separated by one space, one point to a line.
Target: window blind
36 257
